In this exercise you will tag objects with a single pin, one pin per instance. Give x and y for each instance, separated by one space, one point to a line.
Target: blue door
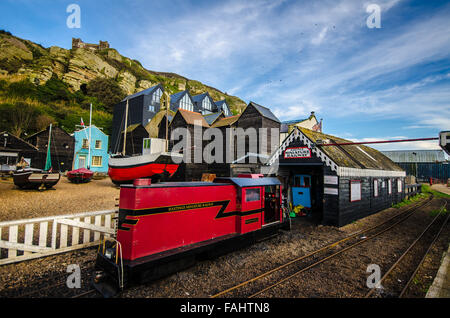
301 190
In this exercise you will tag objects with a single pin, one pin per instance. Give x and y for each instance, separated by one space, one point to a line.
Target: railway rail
420 243
54 285
318 256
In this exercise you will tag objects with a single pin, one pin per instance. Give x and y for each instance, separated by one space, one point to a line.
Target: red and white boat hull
125 170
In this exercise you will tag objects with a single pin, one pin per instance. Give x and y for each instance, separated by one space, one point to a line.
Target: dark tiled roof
264 111
200 97
210 118
220 103
147 91
17 138
176 97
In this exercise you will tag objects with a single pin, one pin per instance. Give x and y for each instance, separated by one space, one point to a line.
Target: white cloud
317 40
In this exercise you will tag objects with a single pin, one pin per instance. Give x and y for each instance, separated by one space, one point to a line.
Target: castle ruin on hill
78 43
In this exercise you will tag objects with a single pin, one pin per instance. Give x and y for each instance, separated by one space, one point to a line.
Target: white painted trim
341 171
354 172
297 134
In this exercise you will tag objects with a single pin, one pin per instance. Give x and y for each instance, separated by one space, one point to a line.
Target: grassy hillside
42 85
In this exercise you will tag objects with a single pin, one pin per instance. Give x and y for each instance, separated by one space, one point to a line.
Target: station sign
332 191
330 180
297 152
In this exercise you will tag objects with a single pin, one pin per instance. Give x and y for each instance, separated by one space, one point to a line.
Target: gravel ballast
344 276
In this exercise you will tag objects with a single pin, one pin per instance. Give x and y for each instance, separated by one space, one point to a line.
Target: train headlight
109 253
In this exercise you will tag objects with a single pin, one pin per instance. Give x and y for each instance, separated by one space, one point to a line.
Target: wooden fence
412 189
34 238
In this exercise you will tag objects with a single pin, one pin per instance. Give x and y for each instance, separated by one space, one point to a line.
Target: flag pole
90 124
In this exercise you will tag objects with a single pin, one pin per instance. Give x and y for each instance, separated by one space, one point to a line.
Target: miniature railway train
165 227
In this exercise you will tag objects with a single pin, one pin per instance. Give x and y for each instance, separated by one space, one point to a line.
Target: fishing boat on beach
32 178
126 169
81 175
157 165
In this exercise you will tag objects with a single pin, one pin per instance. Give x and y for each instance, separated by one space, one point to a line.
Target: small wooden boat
81 175
124 169
31 178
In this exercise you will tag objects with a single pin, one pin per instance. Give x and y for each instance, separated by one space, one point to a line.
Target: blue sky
291 56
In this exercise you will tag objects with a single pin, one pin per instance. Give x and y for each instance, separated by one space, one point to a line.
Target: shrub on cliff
107 92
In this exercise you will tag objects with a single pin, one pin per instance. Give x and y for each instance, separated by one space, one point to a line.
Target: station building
336 184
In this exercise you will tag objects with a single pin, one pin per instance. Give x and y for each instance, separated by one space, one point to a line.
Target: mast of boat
48 160
167 122
125 132
89 141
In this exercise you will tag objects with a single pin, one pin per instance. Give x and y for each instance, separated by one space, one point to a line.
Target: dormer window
207 104
157 96
186 103
225 110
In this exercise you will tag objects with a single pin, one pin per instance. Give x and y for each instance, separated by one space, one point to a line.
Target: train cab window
252 195
297 181
307 181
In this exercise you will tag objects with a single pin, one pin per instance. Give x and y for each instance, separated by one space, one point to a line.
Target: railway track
56 285
261 283
393 287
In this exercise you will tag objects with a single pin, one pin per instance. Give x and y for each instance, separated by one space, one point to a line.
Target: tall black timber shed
344 183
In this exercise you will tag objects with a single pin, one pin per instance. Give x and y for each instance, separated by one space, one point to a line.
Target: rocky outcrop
80 65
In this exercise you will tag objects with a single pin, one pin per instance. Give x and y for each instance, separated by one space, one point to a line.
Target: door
301 190
272 204
81 162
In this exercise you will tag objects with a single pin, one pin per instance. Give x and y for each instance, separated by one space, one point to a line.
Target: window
186 103
375 188
225 109
297 181
151 108
355 190
147 143
157 96
97 161
307 182
399 186
252 195
98 144
389 186
207 104
85 144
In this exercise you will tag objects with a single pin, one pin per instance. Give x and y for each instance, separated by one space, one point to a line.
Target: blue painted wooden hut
99 150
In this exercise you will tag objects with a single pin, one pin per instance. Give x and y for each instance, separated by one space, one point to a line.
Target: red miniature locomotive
165 227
